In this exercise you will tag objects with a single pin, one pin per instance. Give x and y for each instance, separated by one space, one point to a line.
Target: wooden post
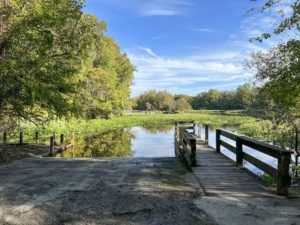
200 131
206 134
193 144
51 152
194 128
218 140
37 137
62 139
21 142
239 152
176 129
4 138
54 136
283 176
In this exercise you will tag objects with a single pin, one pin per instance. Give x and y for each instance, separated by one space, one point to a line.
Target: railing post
37 137
62 139
51 152
176 130
4 138
218 140
193 145
200 131
21 141
194 128
206 134
239 152
283 176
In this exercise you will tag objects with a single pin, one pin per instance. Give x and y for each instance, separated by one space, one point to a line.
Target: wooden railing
281 173
186 141
54 147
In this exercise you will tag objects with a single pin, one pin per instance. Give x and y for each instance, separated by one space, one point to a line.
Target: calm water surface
147 142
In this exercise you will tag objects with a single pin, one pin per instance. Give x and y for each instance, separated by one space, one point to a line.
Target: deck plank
218 175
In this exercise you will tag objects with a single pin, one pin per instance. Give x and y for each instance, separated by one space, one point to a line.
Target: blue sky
186 46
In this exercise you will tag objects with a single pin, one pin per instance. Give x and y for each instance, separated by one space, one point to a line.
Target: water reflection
129 142
115 143
149 142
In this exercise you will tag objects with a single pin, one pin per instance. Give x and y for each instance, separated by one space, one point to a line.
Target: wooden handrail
281 174
185 143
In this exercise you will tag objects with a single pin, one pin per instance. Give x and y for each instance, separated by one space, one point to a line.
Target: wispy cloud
204 30
186 74
164 7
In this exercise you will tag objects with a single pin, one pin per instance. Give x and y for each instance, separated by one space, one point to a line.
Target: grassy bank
79 126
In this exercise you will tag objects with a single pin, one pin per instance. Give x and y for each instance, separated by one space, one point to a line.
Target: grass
240 119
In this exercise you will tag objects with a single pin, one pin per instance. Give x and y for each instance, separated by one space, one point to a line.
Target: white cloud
186 74
204 30
160 12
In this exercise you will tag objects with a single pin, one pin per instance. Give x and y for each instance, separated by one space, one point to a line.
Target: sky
187 46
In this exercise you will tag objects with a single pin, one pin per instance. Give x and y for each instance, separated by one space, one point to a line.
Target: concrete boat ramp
44 191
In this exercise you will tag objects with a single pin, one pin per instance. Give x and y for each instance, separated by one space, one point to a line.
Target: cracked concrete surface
98 191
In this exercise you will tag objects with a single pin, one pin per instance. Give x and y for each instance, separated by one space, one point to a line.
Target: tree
55 60
182 102
154 100
104 83
278 73
288 21
39 53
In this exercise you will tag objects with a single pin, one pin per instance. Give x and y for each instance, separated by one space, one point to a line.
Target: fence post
206 134
239 152
194 128
283 176
21 142
51 152
37 137
176 129
218 140
200 131
4 138
62 139
193 144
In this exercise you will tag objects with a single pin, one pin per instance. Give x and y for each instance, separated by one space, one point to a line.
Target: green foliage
39 54
245 97
155 101
55 60
94 126
288 22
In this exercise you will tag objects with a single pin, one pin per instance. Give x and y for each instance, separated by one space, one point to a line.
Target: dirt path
99 191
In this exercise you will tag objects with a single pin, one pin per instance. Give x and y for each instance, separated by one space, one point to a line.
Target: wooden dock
218 175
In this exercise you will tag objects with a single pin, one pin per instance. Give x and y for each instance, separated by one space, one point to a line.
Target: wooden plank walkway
218 176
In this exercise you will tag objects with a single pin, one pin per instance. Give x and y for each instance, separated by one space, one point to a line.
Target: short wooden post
51 152
21 142
37 137
62 139
283 176
193 144
194 128
200 131
176 129
4 138
206 134
239 152
218 140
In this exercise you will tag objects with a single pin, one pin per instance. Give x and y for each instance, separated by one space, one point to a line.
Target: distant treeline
244 97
